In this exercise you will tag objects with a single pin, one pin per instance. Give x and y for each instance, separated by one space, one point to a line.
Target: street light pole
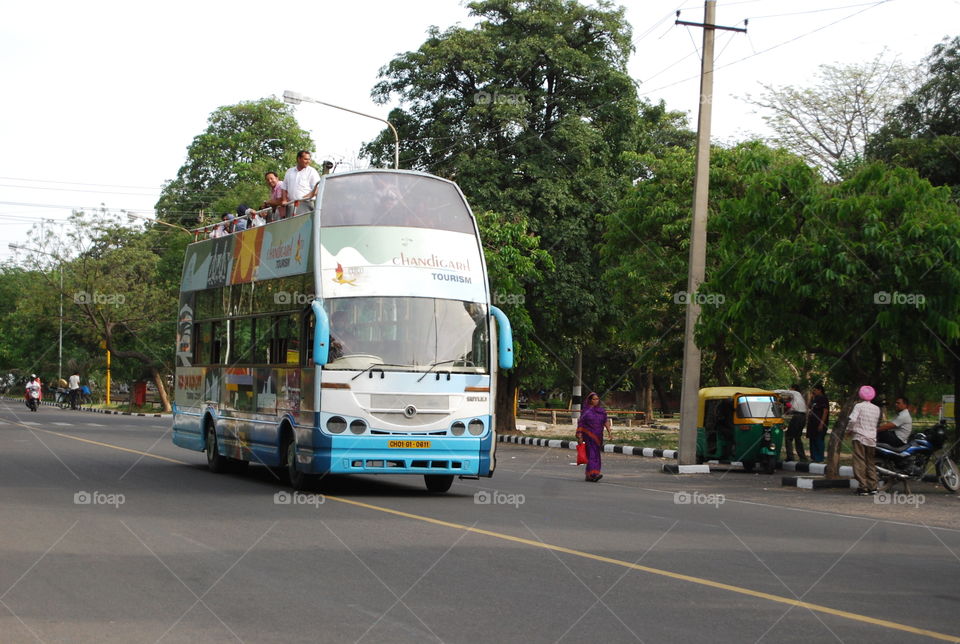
293 98
60 339
131 216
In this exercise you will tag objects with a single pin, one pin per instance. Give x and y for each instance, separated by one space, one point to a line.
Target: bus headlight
458 428
475 427
336 425
358 427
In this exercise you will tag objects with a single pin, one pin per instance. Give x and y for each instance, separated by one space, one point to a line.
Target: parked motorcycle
910 462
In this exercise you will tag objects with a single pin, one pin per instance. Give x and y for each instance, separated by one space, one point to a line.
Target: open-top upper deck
374 232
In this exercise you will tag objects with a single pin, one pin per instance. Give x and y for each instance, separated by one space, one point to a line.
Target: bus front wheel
438 483
298 480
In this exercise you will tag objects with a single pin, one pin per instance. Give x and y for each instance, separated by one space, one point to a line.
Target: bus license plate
408 444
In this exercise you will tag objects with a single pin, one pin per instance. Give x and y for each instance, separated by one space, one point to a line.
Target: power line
763 51
106 192
77 183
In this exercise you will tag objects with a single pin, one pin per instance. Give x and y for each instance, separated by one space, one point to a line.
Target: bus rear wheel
438 483
215 461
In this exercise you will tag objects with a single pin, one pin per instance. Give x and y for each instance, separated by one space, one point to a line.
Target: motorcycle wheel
949 476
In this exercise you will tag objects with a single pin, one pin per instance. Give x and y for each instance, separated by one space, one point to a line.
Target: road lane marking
107 445
658 571
700 581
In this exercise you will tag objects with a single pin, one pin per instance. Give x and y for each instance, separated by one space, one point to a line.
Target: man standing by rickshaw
798 416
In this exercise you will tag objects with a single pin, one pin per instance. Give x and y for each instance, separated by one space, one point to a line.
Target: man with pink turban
863 426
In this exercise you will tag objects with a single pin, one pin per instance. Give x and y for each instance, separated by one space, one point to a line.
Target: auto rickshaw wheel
748 465
768 464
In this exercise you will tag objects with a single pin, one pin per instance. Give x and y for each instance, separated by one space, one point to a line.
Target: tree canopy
226 163
923 131
829 123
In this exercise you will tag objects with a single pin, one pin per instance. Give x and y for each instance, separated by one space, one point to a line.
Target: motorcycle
910 462
33 399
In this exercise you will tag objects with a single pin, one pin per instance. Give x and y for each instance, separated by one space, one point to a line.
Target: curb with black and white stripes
610 448
114 412
651 452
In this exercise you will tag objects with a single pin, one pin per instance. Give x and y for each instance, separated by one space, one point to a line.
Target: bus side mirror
504 338
321 334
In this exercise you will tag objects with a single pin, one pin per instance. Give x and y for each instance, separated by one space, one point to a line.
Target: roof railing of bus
205 230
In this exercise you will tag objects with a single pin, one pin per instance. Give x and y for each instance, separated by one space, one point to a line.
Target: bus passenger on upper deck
254 218
240 223
225 227
276 196
300 182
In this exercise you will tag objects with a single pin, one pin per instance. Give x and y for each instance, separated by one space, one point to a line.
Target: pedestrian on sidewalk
74 387
593 420
818 418
863 426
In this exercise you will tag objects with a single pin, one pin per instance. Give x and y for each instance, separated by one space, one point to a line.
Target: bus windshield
393 199
407 333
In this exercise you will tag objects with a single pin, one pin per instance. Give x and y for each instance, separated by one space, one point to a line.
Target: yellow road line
856 617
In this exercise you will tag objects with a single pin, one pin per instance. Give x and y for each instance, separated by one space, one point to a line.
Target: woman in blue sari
593 420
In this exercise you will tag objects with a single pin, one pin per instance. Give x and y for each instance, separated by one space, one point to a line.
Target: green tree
862 274
531 111
114 293
226 163
646 249
513 257
923 132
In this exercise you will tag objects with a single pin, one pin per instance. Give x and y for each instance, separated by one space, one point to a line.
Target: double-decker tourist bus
357 338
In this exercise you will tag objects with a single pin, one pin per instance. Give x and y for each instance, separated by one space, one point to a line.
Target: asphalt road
109 533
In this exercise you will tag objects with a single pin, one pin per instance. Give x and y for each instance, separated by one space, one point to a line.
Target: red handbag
581 454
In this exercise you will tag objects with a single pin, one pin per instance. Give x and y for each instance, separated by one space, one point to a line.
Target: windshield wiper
378 364
436 364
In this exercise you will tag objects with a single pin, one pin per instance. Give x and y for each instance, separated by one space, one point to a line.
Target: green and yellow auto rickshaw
742 424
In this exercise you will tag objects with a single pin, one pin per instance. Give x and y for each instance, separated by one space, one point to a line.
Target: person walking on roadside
74 387
863 427
593 420
818 417
798 416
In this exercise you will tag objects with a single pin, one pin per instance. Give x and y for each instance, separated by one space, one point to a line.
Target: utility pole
575 401
698 239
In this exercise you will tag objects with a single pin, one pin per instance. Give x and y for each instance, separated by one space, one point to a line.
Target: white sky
103 98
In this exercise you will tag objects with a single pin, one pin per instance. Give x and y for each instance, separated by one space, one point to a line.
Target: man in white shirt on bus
300 182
